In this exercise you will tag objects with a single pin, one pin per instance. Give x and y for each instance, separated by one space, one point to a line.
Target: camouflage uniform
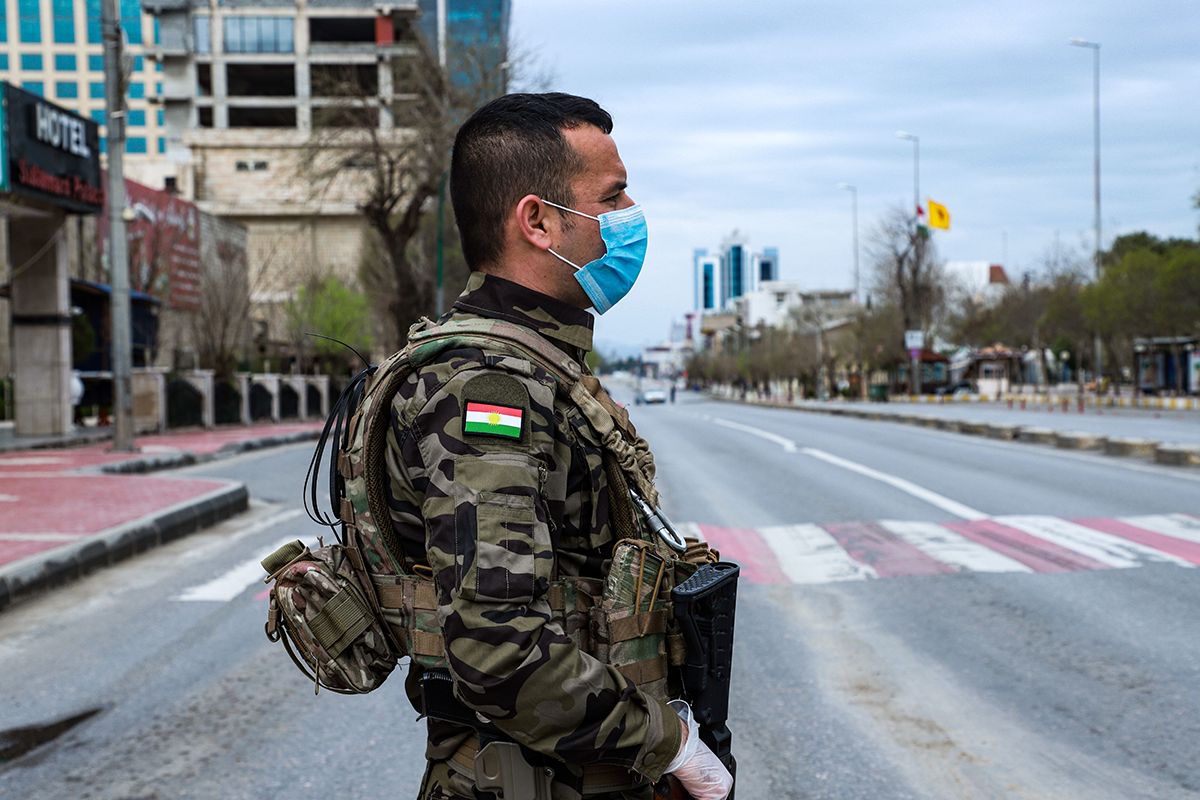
495 518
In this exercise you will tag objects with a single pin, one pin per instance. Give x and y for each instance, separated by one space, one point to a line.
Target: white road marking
788 445
232 583
809 554
1180 526
943 544
1103 547
30 461
40 537
908 487
9 498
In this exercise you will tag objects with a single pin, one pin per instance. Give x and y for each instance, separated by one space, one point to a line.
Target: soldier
499 485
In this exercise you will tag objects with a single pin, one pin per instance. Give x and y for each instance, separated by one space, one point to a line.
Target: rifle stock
704 605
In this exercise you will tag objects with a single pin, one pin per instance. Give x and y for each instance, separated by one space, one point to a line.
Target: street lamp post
916 140
1095 48
853 190
915 380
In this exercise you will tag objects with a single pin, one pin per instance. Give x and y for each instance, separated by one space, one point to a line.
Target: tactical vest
354 608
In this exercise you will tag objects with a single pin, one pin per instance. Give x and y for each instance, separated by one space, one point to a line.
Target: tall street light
853 190
916 140
1095 48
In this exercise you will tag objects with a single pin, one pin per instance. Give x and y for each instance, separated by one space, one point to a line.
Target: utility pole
439 301
118 245
918 243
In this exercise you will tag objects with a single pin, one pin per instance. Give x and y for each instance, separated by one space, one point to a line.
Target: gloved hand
697 767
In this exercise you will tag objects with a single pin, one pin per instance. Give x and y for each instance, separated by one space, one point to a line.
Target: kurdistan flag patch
493 420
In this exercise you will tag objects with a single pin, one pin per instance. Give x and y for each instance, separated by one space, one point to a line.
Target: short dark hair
509 148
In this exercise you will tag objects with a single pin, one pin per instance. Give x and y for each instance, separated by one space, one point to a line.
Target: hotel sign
51 154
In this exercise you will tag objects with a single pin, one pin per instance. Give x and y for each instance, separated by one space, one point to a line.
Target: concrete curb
1176 455
140 466
74 560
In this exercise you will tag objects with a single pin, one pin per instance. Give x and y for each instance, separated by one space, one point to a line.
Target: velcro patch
493 420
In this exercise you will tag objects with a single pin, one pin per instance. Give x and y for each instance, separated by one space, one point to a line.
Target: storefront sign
51 154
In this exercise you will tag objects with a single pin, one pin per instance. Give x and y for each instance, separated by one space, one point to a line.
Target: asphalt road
980 662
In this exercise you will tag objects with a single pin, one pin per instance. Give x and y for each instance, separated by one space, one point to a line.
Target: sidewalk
65 512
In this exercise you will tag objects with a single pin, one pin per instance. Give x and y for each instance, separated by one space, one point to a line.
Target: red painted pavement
746 548
871 544
40 492
1037 554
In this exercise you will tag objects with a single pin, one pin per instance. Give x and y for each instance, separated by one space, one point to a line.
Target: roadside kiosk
49 167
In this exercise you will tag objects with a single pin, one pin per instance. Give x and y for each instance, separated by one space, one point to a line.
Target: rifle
704 606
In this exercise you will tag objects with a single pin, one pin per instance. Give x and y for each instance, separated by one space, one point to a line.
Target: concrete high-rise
733 271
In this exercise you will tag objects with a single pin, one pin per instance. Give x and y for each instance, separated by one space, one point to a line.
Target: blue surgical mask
610 277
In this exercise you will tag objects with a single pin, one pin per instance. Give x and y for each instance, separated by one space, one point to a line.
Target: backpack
348 611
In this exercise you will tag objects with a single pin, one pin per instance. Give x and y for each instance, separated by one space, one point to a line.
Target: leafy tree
331 308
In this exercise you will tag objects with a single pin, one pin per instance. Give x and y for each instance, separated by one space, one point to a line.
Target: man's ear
536 222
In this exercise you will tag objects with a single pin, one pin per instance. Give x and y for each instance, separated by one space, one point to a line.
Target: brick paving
52 499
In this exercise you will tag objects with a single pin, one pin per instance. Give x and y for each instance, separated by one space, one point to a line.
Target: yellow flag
939 217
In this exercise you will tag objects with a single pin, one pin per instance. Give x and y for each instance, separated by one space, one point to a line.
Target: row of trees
1149 287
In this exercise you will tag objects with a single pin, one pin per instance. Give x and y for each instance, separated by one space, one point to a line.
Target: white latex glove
697 767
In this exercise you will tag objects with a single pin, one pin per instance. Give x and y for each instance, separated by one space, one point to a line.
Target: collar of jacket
489 296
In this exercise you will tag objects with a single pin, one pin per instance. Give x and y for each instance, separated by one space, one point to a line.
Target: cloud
748 116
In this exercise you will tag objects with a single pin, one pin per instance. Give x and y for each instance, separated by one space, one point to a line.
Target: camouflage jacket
497 511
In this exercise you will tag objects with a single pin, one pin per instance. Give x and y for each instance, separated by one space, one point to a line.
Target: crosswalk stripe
810 554
953 548
1180 526
1108 550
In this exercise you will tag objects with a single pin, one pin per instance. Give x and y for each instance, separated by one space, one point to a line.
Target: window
162 118
137 91
262 117
138 63
204 80
68 90
162 145
205 117
93 21
135 144
64 63
96 63
258 34
137 117
203 26
31 62
4 23
131 21
3 56
260 80
342 29
37 87
64 21
29 18
242 166
96 90
103 145
98 116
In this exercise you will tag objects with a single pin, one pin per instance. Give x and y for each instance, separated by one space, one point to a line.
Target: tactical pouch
325 621
629 626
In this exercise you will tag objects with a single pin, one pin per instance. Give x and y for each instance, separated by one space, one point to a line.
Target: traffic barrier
1130 447
974 427
1037 435
1177 455
1003 432
1069 440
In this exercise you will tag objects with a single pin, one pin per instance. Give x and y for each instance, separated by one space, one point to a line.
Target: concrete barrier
1071 440
1130 447
1177 455
1004 432
952 425
973 427
1037 435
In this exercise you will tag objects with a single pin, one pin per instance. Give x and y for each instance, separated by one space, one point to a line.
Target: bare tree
906 269
396 148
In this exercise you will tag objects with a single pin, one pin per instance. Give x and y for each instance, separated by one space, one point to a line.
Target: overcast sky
749 114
